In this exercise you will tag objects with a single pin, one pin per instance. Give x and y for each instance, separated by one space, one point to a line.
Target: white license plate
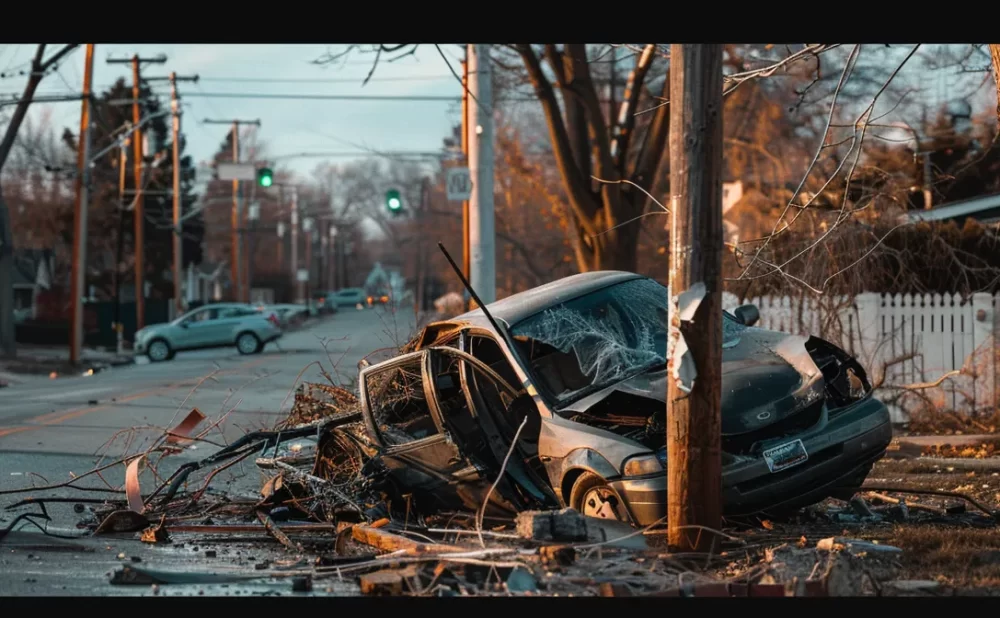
785 456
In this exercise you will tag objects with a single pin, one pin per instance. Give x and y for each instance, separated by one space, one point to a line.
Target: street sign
303 275
459 184
253 211
237 171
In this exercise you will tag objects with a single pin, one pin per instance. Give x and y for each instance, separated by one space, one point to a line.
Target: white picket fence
905 342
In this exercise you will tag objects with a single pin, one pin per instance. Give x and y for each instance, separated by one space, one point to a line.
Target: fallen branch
276 532
929 492
387 541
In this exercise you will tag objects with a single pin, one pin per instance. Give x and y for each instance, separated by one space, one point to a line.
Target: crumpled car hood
766 375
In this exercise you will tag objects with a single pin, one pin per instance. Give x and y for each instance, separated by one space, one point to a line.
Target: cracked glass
595 340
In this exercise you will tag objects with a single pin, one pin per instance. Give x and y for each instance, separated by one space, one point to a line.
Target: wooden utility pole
236 268
694 390
178 229
79 268
138 210
120 241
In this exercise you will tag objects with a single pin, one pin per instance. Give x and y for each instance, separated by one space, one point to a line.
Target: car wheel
248 343
593 497
159 351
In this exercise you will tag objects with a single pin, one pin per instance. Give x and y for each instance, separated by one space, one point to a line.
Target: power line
324 97
332 80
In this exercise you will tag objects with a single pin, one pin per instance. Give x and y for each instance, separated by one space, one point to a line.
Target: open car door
401 403
484 433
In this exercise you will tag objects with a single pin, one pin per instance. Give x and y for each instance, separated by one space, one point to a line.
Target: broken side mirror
748 315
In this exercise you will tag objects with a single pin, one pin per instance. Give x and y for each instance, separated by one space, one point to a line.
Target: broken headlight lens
643 464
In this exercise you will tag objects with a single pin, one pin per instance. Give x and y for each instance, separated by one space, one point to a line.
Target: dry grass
958 557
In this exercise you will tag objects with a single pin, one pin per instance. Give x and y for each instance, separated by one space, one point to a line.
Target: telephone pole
294 238
178 227
236 268
137 161
79 269
694 425
482 245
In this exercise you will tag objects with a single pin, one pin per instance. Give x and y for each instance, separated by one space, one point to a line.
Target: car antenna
472 293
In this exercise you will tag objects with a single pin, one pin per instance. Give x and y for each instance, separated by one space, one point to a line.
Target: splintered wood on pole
694 359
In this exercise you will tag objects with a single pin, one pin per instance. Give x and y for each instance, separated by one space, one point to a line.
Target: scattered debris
365 494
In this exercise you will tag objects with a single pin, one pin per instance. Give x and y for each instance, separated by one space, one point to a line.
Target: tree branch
59 55
22 107
583 83
995 56
580 198
626 118
654 144
576 115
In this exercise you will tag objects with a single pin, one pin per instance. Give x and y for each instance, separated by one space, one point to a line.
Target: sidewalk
38 360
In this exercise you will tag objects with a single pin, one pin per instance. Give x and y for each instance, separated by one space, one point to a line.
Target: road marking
58 417
71 394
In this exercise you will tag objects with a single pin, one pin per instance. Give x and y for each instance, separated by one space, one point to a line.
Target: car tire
248 343
158 351
592 496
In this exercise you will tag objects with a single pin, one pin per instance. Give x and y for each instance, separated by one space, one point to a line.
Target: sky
288 126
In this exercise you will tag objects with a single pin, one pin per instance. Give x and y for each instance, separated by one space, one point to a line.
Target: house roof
27 263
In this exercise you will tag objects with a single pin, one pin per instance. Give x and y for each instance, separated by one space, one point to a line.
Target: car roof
518 306
222 306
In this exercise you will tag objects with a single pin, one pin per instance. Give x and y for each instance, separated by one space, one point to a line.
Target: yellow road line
55 418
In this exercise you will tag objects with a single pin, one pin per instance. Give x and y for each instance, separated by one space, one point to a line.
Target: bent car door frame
435 464
535 489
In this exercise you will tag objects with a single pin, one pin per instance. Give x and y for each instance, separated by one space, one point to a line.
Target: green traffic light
265 177
393 201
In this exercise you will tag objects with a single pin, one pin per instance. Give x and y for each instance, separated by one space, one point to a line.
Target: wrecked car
576 382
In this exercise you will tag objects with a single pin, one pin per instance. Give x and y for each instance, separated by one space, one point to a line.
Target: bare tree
995 57
39 67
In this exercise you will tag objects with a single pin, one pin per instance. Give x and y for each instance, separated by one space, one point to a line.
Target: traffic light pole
138 211
465 156
235 268
294 238
482 245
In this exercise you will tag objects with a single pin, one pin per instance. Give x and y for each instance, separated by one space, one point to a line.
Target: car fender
576 463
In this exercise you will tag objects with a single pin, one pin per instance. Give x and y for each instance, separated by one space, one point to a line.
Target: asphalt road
52 429
75 416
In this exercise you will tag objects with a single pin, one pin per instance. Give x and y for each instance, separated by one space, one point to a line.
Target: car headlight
642 464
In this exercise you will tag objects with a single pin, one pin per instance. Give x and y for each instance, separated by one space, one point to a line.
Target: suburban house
33 274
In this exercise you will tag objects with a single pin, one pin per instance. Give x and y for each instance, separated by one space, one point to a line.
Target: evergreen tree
107 221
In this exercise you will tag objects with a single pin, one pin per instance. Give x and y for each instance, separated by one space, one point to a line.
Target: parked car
290 314
586 373
349 297
210 326
325 303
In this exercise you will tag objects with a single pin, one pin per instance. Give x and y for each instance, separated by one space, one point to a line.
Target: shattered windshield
597 339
